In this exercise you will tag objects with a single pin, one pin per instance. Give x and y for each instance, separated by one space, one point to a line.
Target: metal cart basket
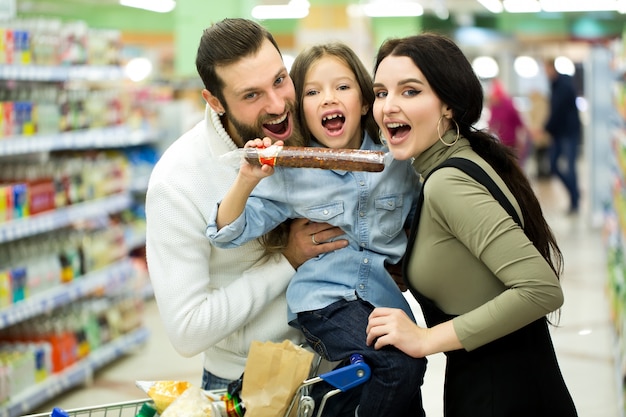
120 409
341 379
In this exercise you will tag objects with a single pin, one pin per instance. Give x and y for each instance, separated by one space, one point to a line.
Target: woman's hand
391 326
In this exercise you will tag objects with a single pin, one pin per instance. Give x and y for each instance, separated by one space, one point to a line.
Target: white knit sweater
211 301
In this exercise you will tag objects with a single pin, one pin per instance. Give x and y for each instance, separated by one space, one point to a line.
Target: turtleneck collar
214 119
439 152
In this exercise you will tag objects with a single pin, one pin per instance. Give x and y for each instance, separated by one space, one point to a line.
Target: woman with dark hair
485 281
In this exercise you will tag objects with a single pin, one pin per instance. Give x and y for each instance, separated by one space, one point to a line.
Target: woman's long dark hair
453 80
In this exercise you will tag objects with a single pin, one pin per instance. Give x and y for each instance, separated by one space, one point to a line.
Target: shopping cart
121 409
341 379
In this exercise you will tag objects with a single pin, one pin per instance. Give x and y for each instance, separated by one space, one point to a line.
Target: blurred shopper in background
564 127
536 120
506 122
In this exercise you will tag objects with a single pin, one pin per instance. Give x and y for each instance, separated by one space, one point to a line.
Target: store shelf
139 184
85 95
63 73
76 375
111 277
134 238
56 219
105 137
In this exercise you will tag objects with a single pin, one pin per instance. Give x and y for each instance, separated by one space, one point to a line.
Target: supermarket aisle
584 340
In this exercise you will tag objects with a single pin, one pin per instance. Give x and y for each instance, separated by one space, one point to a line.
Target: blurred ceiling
63 7
438 14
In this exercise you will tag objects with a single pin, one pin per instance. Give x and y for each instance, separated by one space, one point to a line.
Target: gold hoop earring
458 132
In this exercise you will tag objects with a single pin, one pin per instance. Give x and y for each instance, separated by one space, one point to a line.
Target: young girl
331 296
485 283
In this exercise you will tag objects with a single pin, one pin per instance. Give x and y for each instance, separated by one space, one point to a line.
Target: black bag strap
476 172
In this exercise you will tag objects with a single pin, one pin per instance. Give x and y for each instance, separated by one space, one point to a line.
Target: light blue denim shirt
370 207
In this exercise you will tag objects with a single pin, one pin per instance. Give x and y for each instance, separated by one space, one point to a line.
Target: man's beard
248 132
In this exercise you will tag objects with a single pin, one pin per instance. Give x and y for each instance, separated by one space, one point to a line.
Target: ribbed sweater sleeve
211 300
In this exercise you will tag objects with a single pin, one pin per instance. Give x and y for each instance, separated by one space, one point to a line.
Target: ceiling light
534 6
494 6
485 67
159 6
521 6
564 65
392 9
138 69
526 66
295 9
579 5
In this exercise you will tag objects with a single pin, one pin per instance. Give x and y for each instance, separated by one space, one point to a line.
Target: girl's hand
391 326
262 143
254 173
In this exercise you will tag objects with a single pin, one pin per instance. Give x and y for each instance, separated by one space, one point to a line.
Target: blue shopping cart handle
348 376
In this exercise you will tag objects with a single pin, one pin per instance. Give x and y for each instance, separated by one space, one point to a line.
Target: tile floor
585 341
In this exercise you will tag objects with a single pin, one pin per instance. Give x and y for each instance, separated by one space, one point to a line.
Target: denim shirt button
365 261
361 286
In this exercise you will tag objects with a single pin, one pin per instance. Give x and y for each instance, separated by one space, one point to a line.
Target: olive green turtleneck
471 258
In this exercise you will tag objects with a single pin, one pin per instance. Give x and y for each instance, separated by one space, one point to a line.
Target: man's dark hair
224 43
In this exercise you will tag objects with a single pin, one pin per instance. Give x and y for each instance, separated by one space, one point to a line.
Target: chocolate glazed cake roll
312 157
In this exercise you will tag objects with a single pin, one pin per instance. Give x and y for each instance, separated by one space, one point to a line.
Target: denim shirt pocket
389 214
325 212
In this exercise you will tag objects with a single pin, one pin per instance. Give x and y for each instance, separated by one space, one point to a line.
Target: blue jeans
337 331
566 148
213 382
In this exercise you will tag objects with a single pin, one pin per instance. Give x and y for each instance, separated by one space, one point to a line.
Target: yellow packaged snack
191 403
163 393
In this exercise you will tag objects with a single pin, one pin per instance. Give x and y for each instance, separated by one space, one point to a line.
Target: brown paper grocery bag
273 374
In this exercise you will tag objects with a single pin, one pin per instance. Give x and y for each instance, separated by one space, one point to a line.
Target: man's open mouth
278 126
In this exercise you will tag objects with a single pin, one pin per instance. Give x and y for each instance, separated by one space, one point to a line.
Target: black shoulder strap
432 314
474 171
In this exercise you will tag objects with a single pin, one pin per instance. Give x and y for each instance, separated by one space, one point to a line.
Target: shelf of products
105 137
74 159
113 276
57 73
615 219
62 217
78 374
